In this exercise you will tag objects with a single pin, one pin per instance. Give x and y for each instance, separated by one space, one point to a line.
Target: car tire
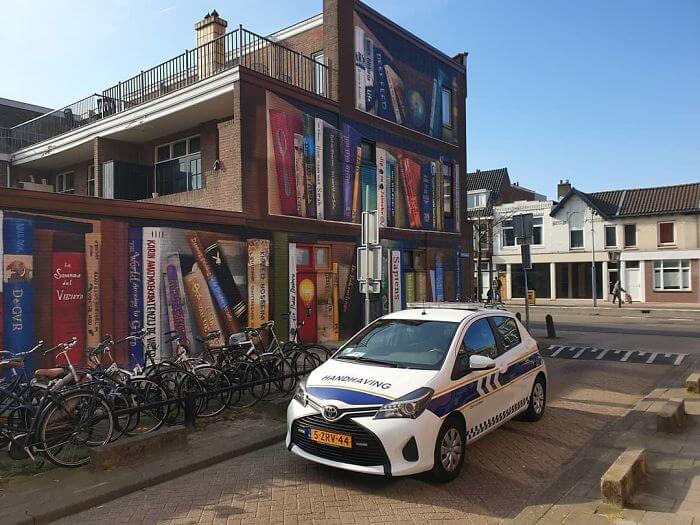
449 451
538 401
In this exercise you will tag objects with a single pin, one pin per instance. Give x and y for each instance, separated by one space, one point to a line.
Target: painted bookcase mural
317 170
398 81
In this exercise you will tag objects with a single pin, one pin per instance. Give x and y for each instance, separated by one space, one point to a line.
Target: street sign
369 265
522 227
374 286
525 254
370 228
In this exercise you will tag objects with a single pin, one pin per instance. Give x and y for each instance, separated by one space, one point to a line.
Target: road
501 472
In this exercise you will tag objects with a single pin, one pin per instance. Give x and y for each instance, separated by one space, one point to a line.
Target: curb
128 480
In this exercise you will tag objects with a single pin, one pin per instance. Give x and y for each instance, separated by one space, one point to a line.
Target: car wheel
449 451
538 401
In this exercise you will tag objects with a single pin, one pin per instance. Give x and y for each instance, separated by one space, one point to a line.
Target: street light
593 279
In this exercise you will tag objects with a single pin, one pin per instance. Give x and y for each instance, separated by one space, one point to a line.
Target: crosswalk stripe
600 355
678 359
652 357
626 357
578 354
557 351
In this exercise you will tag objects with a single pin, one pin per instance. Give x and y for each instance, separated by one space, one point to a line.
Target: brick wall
11 116
692 296
306 43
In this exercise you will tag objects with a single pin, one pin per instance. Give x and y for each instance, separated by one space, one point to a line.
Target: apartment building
648 238
241 167
486 189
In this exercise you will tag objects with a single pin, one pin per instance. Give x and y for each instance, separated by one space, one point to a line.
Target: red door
306 305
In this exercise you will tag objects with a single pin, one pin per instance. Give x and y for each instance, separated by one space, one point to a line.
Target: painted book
421 286
436 108
455 198
228 284
309 129
120 286
18 287
439 279
336 298
439 197
450 286
93 290
135 293
396 93
396 291
282 130
385 108
410 177
258 282
225 304
360 64
178 315
235 255
68 294
356 200
426 197
410 283
292 289
324 306
1 280
351 141
431 285
370 92
319 124
381 188
299 173
43 295
331 174
152 288
200 300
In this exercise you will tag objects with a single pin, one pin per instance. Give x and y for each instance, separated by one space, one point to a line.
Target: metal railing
237 48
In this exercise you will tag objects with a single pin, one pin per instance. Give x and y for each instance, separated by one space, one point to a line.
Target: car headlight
411 405
300 393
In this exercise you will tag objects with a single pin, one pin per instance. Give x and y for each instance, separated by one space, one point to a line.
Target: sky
605 93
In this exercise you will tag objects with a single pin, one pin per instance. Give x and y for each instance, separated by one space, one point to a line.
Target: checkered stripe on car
498 418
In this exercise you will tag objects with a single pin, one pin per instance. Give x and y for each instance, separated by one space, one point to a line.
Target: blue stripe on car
457 398
351 397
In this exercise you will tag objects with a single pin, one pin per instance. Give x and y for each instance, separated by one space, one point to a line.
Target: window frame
624 235
319 73
503 234
683 267
447 197
673 233
189 155
91 192
573 229
446 123
605 235
541 228
63 178
479 194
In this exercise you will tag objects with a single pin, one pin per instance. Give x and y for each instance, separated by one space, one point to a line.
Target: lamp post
593 272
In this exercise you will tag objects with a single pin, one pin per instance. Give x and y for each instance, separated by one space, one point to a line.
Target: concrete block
692 384
671 417
619 482
130 450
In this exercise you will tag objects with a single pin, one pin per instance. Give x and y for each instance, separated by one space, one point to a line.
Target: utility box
531 297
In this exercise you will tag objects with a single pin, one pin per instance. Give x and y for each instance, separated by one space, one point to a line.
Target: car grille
366 451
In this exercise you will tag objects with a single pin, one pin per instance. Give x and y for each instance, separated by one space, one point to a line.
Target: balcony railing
237 48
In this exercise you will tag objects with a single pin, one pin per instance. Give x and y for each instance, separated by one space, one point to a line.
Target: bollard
551 334
190 410
517 314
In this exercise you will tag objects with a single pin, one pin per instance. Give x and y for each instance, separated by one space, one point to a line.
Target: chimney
210 45
563 188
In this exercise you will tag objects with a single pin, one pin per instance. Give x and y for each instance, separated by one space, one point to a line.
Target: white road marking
578 354
600 356
652 357
632 317
557 351
678 359
626 357
680 319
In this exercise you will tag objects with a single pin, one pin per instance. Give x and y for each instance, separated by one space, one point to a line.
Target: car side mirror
481 362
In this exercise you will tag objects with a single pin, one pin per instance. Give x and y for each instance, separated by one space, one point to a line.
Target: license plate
329 438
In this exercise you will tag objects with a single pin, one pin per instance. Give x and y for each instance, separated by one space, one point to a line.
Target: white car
407 392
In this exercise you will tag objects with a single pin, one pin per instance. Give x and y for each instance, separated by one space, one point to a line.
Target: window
610 236
508 234
480 340
319 73
576 231
446 107
630 235
507 330
476 200
65 182
91 181
537 231
667 234
672 275
447 189
179 166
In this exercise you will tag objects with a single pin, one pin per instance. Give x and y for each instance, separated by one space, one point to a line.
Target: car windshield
401 343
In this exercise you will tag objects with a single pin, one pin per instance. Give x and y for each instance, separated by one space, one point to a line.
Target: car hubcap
538 398
451 449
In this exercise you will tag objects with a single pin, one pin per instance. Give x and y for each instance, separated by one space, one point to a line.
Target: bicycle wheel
213 379
72 425
142 393
305 362
323 352
279 368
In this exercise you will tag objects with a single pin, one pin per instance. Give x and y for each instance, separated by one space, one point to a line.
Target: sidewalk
671 492
588 303
54 493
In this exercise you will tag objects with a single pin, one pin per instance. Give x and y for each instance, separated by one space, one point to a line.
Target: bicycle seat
49 373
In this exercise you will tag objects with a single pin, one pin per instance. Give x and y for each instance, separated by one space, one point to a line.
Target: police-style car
407 392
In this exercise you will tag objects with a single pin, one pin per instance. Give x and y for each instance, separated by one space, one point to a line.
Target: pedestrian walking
617 293
496 286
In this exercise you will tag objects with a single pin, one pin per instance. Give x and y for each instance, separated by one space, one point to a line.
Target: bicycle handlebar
63 346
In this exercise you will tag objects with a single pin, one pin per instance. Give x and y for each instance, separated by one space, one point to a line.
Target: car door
480 413
511 351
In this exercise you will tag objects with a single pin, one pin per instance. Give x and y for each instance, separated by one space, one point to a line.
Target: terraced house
241 167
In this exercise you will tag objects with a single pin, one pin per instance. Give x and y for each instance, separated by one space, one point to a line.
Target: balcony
239 48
